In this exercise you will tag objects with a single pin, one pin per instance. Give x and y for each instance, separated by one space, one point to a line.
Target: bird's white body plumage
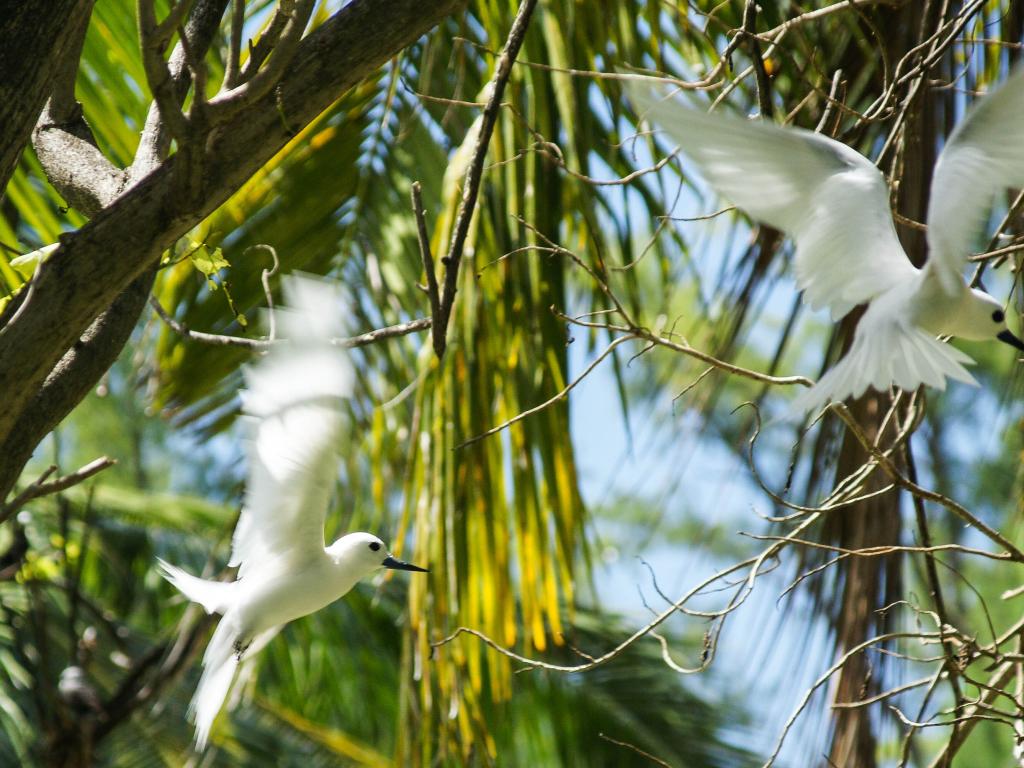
293 403
834 203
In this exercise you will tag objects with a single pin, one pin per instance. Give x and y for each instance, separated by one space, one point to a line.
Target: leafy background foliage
502 522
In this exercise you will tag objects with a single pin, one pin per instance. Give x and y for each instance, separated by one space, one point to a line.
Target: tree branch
471 187
233 67
64 143
749 31
66 147
72 378
42 488
150 216
73 163
75 166
201 29
260 345
33 41
256 83
153 39
433 293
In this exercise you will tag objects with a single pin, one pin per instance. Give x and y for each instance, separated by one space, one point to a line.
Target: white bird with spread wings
834 203
294 400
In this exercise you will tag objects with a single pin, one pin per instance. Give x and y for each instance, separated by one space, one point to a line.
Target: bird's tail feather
882 355
214 596
219 665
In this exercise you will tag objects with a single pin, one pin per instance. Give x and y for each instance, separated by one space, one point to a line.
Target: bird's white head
982 318
365 553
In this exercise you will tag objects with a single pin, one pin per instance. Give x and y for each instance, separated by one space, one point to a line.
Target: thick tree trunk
869 582
866 582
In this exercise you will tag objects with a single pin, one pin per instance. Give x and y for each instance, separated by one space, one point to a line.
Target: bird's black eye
998 316
374 545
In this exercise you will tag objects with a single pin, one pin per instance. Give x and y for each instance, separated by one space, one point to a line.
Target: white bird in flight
834 203
294 401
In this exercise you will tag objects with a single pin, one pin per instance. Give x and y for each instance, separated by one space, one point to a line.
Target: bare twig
260 50
166 661
255 81
754 567
890 469
388 332
830 102
154 37
433 292
883 695
686 349
261 345
881 551
550 401
155 141
43 488
634 748
934 585
232 70
827 674
471 187
764 96
1001 676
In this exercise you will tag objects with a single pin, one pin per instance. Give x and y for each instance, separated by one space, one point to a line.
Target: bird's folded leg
240 648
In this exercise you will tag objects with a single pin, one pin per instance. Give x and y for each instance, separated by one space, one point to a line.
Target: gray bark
33 38
95 264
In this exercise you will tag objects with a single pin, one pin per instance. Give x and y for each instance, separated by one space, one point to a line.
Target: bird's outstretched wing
294 403
828 197
984 155
886 350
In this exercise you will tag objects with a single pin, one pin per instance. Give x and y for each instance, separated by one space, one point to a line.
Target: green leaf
207 260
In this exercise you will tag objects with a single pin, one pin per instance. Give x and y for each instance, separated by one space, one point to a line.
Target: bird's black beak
1010 339
401 565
